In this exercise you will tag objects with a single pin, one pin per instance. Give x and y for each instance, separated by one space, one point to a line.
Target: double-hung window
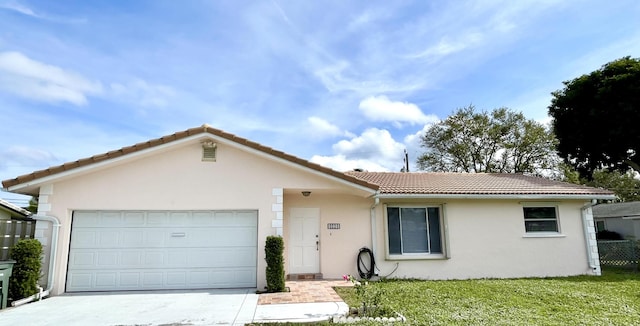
414 231
540 219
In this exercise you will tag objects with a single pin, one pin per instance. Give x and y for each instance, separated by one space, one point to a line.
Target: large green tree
596 118
626 187
500 141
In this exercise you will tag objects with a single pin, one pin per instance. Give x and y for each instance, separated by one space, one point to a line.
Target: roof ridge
205 128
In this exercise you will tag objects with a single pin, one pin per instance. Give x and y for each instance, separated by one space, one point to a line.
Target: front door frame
304 253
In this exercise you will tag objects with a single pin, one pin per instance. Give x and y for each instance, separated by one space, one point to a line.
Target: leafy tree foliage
500 141
596 118
33 205
626 187
624 184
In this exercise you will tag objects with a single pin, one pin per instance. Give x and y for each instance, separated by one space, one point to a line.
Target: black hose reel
365 272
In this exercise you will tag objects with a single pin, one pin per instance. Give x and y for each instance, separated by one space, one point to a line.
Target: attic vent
209 150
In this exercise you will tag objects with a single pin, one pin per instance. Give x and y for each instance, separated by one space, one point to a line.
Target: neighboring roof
480 184
14 208
627 209
204 129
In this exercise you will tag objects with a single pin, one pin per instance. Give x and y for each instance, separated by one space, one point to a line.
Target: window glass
540 219
414 231
539 212
541 226
434 230
393 224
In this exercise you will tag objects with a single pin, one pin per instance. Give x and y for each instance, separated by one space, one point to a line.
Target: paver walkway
310 291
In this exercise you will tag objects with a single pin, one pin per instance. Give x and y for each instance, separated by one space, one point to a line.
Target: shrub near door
274 249
26 272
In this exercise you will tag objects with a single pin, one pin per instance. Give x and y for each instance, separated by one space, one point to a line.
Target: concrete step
307 276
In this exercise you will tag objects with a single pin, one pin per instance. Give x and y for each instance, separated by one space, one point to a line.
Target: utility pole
406 161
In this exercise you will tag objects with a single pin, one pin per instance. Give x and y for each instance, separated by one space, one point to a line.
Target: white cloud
374 150
446 47
413 143
380 108
342 163
321 128
22 156
140 92
17 7
35 80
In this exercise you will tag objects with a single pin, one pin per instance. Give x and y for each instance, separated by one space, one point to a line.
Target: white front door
304 240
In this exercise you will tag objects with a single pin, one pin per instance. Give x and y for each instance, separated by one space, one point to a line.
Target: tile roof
9 206
473 184
631 208
204 129
386 182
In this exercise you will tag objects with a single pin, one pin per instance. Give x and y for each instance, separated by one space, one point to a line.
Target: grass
611 299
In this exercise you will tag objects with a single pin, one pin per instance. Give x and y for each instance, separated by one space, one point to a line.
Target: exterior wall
4 215
486 239
338 248
177 179
629 229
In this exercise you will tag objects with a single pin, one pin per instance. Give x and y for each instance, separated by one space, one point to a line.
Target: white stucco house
623 218
193 209
9 211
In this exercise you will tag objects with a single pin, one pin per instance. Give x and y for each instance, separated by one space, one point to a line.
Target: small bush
274 250
608 235
26 271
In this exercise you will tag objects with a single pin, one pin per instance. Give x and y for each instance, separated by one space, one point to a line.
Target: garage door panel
97 259
164 237
162 250
140 279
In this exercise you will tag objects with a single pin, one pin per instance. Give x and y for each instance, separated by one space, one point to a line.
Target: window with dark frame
414 230
540 219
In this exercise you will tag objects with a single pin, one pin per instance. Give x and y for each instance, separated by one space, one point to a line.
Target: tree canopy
500 141
596 118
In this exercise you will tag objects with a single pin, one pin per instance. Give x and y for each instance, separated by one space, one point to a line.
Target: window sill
416 257
544 235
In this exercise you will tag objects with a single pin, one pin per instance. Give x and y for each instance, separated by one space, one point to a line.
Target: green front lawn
612 299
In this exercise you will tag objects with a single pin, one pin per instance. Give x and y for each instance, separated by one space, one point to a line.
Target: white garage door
152 250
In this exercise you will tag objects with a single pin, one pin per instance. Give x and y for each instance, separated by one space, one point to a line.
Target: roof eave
27 187
498 196
14 208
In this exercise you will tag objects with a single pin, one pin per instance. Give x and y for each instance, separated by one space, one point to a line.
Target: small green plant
26 271
369 296
274 249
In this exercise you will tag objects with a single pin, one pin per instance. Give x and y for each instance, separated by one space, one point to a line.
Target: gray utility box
6 267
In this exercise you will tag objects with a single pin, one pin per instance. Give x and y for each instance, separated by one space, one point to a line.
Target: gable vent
209 150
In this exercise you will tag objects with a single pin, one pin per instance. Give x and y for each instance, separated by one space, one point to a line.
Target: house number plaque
333 226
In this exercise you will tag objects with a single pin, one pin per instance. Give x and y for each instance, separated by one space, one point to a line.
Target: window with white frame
540 218
414 230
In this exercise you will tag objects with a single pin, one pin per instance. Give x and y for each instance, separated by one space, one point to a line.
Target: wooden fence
11 231
621 253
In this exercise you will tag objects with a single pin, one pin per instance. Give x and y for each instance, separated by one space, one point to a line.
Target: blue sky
342 83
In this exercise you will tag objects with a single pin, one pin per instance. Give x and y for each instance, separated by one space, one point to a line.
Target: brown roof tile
177 136
472 184
385 182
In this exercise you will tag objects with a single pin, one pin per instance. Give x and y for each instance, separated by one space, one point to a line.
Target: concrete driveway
200 307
